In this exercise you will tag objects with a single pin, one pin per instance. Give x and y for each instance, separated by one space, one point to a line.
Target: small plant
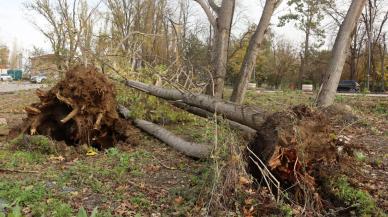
381 108
360 156
351 196
285 209
140 201
82 213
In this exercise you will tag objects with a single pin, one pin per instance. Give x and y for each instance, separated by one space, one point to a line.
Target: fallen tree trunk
205 114
188 148
294 145
250 116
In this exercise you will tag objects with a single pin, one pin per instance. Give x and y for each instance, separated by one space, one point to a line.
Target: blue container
16 74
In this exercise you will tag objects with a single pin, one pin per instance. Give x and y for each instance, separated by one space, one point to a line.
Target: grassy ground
151 179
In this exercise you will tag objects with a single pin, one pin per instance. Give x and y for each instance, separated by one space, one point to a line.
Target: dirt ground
151 179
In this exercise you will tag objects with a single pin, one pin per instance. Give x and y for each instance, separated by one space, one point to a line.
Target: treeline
164 40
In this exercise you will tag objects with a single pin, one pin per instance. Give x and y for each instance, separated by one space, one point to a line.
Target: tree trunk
329 87
353 55
250 116
222 35
383 51
304 62
252 52
188 148
206 114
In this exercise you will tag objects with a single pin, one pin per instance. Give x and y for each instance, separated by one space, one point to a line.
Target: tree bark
221 20
222 35
188 148
353 55
329 87
252 52
206 114
250 116
383 51
304 61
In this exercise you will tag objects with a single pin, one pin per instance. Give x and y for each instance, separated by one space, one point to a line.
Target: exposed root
70 116
80 109
295 146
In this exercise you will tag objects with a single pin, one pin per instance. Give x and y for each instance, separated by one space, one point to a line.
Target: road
339 94
6 87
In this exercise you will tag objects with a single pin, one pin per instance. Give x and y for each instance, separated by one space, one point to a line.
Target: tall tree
4 56
329 87
14 58
383 51
220 18
68 28
252 51
307 15
374 18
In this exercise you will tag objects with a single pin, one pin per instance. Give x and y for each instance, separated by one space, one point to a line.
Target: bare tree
307 15
374 19
252 51
220 18
4 56
328 89
383 51
68 28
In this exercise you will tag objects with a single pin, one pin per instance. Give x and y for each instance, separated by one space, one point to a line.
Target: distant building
3 71
44 64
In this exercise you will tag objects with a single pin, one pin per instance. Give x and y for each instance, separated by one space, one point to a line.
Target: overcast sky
15 24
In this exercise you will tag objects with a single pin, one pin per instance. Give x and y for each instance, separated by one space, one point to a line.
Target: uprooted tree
80 109
291 150
295 146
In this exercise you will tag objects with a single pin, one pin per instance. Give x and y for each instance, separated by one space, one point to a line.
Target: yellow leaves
56 159
244 181
91 152
178 200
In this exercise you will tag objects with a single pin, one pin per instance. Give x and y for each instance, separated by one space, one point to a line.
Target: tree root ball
79 109
295 146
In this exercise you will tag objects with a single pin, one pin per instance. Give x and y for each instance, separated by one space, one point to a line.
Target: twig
17 171
162 164
267 172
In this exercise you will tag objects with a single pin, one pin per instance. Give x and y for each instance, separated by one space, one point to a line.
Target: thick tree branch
213 5
208 10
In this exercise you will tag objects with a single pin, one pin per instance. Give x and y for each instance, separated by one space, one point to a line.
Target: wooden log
206 114
246 115
190 149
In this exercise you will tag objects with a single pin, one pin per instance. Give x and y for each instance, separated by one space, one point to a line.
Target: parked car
348 86
5 77
38 78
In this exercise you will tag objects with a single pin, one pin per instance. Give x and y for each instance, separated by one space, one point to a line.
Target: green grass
38 143
14 159
365 204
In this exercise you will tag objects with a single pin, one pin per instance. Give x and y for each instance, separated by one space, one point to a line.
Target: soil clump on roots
79 109
298 148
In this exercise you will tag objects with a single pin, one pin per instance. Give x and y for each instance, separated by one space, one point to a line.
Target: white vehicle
5 77
38 78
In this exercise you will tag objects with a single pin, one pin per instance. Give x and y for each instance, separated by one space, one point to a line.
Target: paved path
360 94
17 86
340 94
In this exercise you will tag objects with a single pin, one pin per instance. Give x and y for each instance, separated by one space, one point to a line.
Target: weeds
366 206
38 143
360 156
